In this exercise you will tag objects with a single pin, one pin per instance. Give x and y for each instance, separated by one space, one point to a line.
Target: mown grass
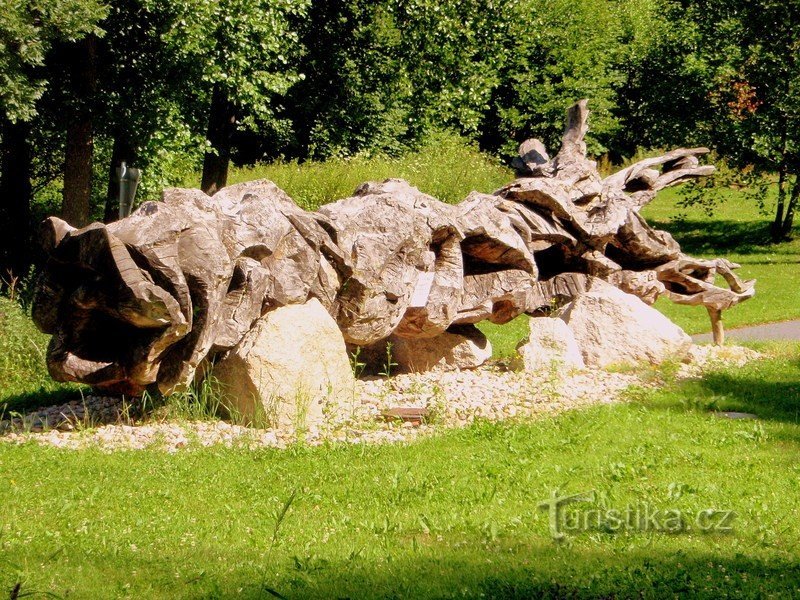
454 516
737 230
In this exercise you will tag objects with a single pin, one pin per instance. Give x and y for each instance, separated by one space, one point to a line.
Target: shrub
23 370
447 167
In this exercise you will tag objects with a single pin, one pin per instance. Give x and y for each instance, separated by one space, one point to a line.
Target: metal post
128 178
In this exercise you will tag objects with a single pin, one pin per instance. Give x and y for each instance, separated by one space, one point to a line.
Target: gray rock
549 343
615 328
460 347
290 370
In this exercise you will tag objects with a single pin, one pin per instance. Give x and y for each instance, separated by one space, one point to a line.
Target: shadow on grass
41 398
544 572
714 237
773 400
510 569
769 389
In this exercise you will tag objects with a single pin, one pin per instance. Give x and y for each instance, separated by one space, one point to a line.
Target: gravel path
785 330
451 399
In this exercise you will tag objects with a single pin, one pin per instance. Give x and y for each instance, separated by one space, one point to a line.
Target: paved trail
785 330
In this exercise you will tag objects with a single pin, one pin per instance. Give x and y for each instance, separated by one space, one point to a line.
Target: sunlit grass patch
454 515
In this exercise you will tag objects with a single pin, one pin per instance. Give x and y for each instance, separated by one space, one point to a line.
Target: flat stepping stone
732 414
406 414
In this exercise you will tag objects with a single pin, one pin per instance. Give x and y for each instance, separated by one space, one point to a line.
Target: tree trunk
121 151
776 231
75 208
15 200
788 220
221 127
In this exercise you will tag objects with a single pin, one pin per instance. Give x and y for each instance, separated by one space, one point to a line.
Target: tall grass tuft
24 380
447 167
201 401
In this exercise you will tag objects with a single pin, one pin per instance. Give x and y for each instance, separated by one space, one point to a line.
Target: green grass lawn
736 231
451 516
23 373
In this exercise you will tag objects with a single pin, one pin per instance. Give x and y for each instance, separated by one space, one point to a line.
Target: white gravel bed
700 359
450 399
75 414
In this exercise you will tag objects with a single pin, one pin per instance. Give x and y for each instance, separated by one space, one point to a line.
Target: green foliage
152 107
353 96
389 363
23 372
357 78
558 53
29 29
356 365
168 157
245 46
446 167
662 99
724 74
753 48
380 76
454 52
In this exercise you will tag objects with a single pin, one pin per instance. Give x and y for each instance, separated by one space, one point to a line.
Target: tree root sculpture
144 301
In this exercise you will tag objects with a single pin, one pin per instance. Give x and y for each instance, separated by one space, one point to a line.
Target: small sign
423 289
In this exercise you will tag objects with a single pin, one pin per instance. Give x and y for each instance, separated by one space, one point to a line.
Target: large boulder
550 342
612 327
460 347
290 370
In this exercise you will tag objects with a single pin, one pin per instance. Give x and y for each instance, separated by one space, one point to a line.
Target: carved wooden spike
144 301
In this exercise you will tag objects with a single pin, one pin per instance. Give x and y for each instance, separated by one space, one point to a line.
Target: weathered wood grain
144 301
